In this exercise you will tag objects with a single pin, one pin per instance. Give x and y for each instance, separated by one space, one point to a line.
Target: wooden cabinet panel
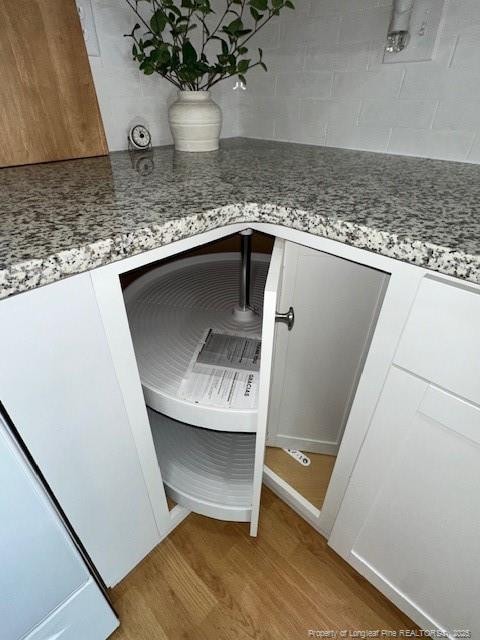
48 104
410 519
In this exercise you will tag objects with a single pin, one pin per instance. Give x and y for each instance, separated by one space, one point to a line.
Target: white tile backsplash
305 84
340 7
284 128
461 16
441 84
467 52
258 125
347 57
380 83
324 112
260 83
455 114
297 29
325 84
358 137
367 26
266 108
474 153
429 109
446 145
397 113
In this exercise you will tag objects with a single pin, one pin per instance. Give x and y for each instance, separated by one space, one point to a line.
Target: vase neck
194 95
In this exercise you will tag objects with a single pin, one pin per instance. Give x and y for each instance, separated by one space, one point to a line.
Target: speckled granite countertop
67 217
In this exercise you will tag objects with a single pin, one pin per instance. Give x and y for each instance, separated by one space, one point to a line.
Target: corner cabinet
410 518
158 314
381 370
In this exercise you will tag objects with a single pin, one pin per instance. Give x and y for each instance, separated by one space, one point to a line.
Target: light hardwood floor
311 482
211 581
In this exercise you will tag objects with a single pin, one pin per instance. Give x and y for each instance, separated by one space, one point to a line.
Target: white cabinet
410 519
58 384
441 340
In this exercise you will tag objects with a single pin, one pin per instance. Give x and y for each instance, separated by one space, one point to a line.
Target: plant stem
135 10
225 77
254 31
229 4
258 25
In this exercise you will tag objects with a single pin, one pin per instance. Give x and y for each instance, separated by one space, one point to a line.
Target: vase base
196 146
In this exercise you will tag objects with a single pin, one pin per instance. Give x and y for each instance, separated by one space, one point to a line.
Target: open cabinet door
316 367
318 364
272 292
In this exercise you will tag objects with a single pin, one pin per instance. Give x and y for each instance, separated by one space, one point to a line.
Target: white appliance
47 589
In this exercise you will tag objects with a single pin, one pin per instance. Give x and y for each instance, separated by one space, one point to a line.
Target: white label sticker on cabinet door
224 371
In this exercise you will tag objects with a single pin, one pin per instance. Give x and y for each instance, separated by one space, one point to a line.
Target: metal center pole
245 271
243 312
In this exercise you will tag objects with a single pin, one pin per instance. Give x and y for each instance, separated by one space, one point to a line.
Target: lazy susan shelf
208 472
170 309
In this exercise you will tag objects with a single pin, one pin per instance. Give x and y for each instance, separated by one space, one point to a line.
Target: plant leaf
158 22
234 27
189 54
243 65
260 5
255 14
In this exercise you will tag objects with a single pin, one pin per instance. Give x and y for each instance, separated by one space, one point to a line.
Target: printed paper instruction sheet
224 371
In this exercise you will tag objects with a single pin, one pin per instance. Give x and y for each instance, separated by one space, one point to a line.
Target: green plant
165 29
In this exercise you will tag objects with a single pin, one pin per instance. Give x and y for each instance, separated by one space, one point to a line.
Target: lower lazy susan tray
208 472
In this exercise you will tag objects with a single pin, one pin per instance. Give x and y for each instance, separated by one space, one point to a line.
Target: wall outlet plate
424 29
87 20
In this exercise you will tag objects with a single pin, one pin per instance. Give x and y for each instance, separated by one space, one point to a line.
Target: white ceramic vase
195 121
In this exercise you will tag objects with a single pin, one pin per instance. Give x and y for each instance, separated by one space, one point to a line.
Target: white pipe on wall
413 30
398 31
402 11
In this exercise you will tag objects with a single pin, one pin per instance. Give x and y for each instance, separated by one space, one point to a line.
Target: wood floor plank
211 581
311 482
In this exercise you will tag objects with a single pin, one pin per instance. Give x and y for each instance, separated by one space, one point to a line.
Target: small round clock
139 137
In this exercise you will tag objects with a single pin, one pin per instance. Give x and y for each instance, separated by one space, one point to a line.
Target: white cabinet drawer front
410 520
441 340
452 412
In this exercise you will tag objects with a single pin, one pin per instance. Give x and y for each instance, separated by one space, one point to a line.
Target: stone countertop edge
33 273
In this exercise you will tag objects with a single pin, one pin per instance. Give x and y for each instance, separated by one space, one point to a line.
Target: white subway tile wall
326 83
127 96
